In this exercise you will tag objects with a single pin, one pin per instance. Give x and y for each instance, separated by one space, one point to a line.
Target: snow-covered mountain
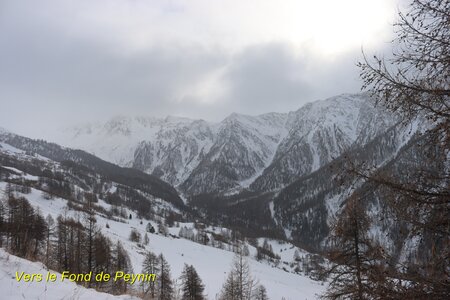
265 152
283 176
242 147
185 152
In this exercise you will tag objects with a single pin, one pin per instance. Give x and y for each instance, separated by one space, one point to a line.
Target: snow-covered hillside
212 264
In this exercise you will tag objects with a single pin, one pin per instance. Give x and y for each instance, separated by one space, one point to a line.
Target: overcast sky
67 62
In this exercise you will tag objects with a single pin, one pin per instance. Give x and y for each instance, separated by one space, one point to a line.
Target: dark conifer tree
91 233
150 266
191 285
61 244
102 257
165 285
38 230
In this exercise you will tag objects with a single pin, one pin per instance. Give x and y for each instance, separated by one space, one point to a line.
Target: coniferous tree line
68 244
21 227
245 211
74 242
76 183
266 252
231 240
60 180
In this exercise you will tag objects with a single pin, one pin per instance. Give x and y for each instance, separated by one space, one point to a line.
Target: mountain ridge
263 152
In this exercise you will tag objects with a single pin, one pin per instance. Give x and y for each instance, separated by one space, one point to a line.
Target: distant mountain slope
320 132
307 206
127 176
263 153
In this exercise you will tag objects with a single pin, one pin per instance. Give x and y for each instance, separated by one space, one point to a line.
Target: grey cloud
47 77
264 78
274 77
51 77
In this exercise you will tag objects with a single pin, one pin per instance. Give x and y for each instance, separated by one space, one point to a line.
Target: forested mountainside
305 210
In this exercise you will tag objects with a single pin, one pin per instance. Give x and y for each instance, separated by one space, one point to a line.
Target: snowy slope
211 263
143 142
11 289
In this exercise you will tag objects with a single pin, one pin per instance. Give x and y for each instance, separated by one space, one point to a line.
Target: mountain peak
233 117
177 119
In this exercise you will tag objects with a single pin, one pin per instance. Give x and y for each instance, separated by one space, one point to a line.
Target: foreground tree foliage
416 79
414 82
358 270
